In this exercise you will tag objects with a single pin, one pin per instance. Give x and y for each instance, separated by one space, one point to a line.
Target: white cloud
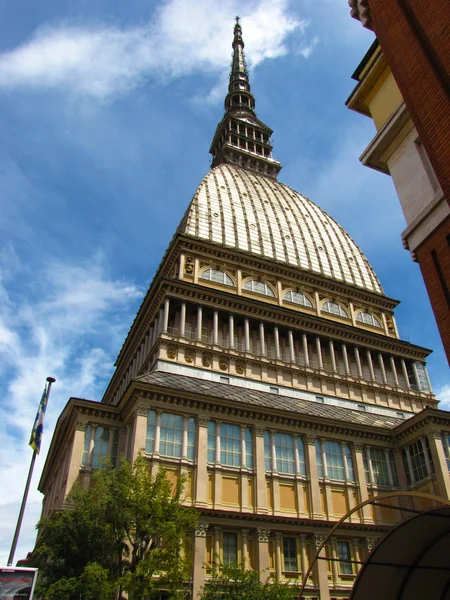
185 36
66 321
443 394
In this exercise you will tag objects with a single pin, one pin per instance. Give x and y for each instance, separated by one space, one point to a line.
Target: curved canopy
411 563
237 208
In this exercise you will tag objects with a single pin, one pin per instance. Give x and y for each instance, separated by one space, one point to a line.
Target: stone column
157 433
198 572
334 563
303 555
201 476
262 339
305 349
76 455
322 570
166 315
231 331
263 554
278 566
345 355
314 488
244 550
358 363
276 336
319 353
215 327
261 486
394 370
440 463
184 442
291 346
139 431
199 323
183 319
362 483
405 373
247 334
369 360
216 557
383 370
333 357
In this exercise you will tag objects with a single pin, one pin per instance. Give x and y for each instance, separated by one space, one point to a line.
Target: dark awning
411 562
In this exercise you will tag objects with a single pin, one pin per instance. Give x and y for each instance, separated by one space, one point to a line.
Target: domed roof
243 210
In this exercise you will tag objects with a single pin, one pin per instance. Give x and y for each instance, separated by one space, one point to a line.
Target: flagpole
50 380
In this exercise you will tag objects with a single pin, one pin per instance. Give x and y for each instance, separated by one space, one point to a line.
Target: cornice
427 420
289 521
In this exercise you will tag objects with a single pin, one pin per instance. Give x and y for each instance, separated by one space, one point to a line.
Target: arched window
217 277
298 298
334 309
258 287
367 319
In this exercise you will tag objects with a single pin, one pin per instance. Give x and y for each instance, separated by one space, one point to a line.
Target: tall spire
241 138
239 96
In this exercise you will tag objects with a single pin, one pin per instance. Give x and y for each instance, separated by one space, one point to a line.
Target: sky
107 111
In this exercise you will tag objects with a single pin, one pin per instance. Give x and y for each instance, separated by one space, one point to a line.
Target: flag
38 427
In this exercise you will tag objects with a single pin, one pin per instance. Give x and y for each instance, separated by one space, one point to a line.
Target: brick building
404 85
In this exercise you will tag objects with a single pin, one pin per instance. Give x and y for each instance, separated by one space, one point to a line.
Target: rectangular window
393 468
150 435
422 377
418 461
290 554
191 439
101 446
379 466
267 451
87 440
230 554
334 454
115 447
284 449
171 435
349 459
406 466
344 555
211 441
230 445
301 456
248 448
335 464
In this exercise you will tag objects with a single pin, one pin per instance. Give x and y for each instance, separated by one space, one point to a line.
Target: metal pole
50 380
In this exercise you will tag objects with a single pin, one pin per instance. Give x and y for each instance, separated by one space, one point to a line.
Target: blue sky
107 110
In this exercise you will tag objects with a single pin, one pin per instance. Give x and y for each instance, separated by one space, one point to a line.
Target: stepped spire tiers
241 139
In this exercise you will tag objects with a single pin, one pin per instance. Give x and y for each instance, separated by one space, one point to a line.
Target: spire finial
241 138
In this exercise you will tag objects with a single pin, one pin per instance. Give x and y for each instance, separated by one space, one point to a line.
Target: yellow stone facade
281 392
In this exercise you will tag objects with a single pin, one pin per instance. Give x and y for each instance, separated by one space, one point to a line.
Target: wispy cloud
443 394
184 37
68 321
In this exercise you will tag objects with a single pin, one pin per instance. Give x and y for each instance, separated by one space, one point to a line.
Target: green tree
127 531
233 582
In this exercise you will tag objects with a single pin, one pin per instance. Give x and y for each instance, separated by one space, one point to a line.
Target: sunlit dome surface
240 209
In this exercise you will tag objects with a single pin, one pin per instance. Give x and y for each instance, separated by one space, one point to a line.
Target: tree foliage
127 531
233 582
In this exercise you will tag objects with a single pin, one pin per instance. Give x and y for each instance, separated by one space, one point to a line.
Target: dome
240 209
